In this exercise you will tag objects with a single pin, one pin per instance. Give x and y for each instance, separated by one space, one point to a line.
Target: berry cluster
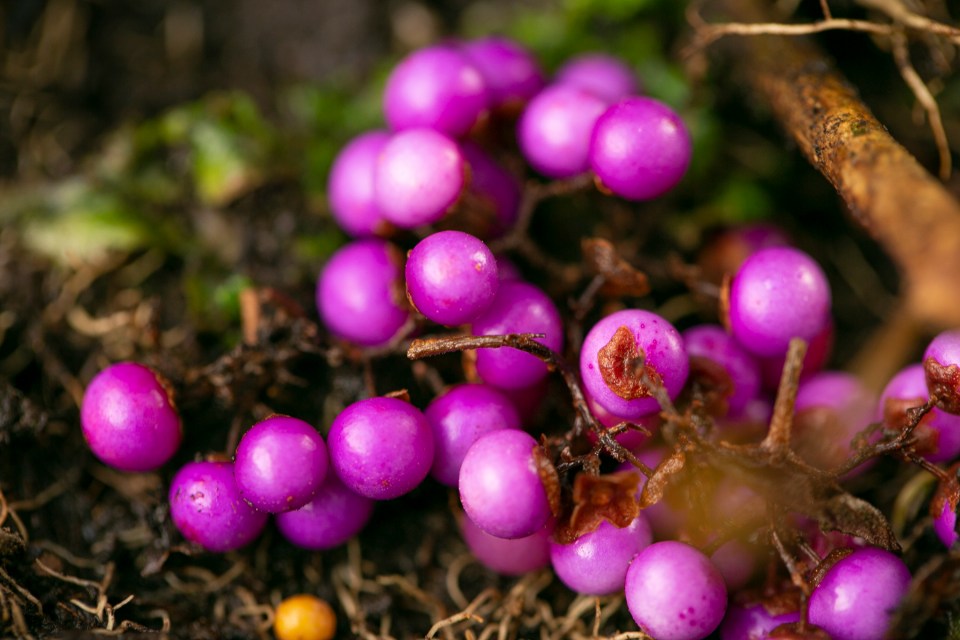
437 174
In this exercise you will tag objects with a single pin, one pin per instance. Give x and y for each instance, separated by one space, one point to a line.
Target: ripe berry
494 187
778 294
640 148
129 419
605 76
511 73
753 621
500 488
207 508
612 351
938 435
350 186
513 557
304 617
334 516
674 592
280 464
381 448
451 277
742 369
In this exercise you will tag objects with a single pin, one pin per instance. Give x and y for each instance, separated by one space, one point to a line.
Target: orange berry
304 617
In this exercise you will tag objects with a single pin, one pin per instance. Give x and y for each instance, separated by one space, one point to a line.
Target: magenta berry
518 307
332 517
509 557
554 130
381 448
458 417
856 598
596 562
674 592
511 73
605 76
436 87
451 277
778 294
280 464
500 488
753 622
609 355
207 508
350 186
713 343
640 148
493 186
129 419
941 362
419 176
360 292
938 434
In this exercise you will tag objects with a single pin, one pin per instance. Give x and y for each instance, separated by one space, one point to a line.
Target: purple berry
360 292
857 596
436 87
507 557
129 419
609 355
280 464
753 622
452 277
938 435
596 562
418 177
350 186
945 522
381 448
206 507
941 361
640 148
605 76
715 344
778 294
335 515
510 72
494 186
499 485
519 307
674 592
736 562
458 417
554 130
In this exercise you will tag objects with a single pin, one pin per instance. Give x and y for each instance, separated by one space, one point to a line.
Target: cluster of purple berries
589 118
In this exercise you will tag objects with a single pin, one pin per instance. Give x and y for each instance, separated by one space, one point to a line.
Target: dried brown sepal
835 556
657 483
724 301
948 492
713 383
623 366
620 277
611 497
944 385
549 478
399 394
798 631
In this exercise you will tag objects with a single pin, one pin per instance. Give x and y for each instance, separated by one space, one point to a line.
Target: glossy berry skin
664 354
938 434
280 464
945 525
554 130
500 488
778 294
381 448
458 417
736 562
518 307
207 508
304 617
507 557
451 277
752 622
596 562
418 178
511 73
129 419
640 148
436 87
605 76
857 596
831 408
674 592
335 515
360 292
493 186
943 353
715 344
350 186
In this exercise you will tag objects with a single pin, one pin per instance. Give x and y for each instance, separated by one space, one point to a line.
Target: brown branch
908 211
